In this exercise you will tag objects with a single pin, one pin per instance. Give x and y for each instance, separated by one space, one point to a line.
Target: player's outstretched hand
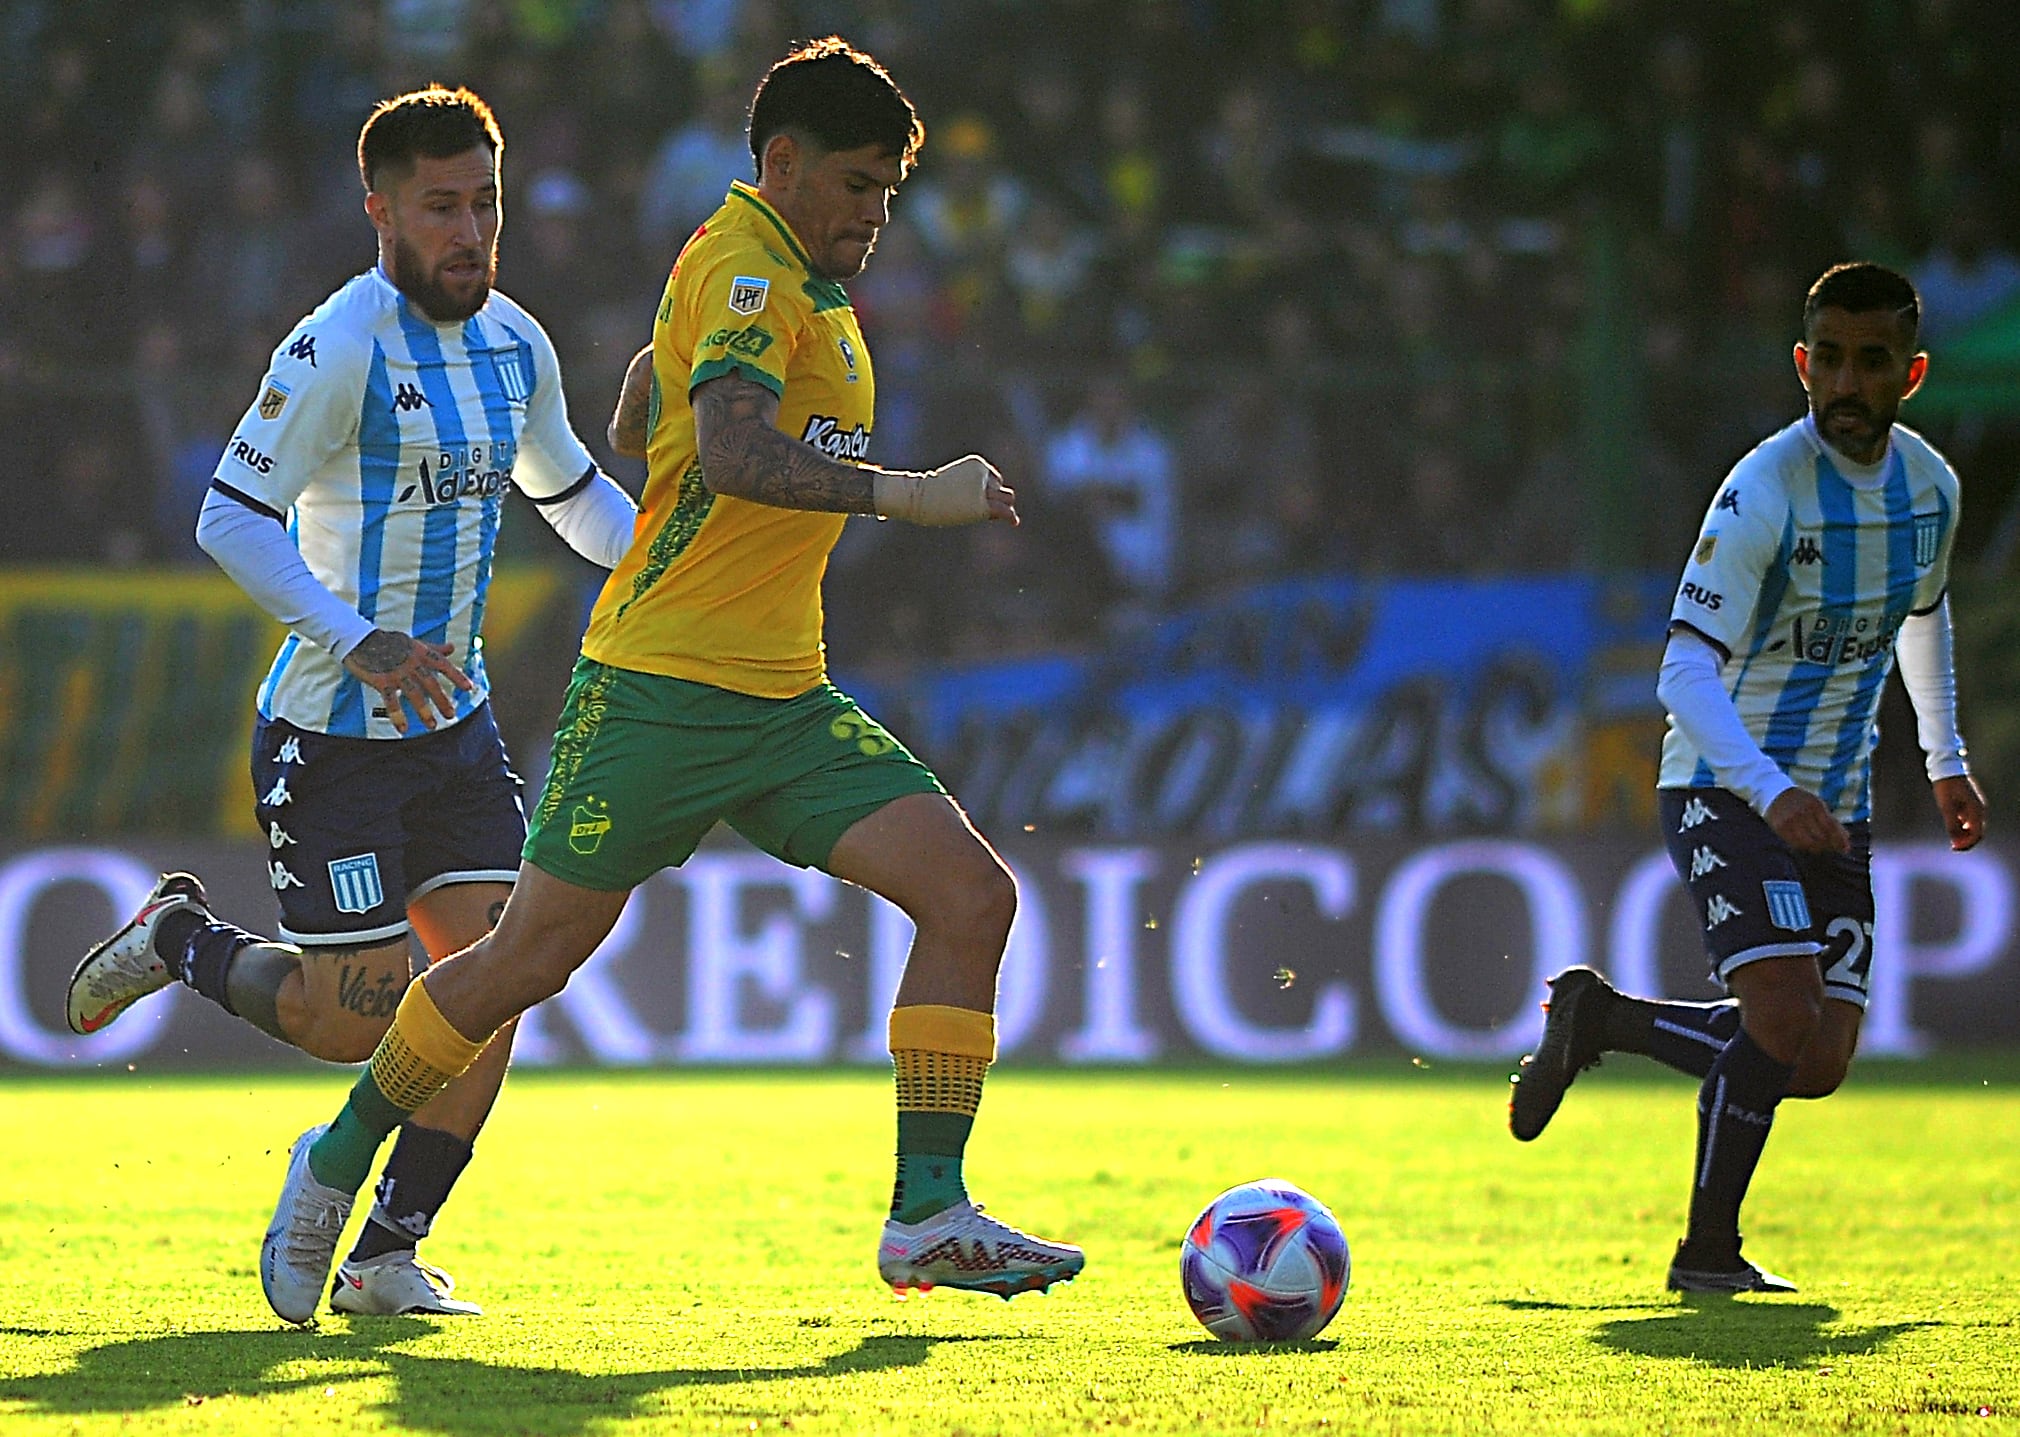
1963 808
1805 823
406 670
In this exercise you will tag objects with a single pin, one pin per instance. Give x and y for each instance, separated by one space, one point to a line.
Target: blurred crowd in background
1228 290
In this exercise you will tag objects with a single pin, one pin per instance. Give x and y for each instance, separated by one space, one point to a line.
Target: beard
428 291
1870 430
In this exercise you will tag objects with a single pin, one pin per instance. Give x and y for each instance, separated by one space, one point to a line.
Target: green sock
342 1157
929 1179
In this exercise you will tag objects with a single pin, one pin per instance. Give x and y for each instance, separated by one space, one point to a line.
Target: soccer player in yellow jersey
701 695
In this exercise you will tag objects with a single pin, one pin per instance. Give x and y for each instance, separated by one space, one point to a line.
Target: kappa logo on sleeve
747 294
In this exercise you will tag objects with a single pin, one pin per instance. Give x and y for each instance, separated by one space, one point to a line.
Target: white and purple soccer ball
1264 1262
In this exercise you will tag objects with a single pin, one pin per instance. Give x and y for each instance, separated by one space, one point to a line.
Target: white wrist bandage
954 493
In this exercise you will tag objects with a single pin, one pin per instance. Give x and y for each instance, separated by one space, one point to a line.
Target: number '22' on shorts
1758 898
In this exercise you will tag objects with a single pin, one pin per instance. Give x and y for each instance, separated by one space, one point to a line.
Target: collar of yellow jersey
825 293
738 190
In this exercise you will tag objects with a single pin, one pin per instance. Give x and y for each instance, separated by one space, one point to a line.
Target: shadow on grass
452 1395
1538 1304
1214 1347
1723 1332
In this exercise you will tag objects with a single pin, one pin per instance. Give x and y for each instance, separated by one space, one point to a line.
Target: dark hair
1861 288
436 122
839 98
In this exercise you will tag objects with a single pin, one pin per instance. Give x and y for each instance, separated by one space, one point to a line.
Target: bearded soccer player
702 697
1825 552
358 503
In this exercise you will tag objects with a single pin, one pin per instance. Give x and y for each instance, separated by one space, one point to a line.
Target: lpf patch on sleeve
274 400
747 293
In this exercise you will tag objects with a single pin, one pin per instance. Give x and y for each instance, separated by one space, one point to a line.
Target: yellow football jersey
715 589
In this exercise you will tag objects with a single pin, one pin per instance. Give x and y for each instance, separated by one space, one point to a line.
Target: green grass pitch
694 1253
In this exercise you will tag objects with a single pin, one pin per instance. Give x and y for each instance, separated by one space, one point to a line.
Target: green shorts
645 765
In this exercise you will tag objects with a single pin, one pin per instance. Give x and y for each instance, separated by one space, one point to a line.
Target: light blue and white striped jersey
1803 571
386 441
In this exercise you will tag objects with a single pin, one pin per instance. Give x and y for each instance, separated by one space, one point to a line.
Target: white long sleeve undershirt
595 519
254 548
1690 688
1926 653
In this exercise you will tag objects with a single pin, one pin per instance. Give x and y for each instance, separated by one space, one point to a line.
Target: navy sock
198 949
171 937
425 1164
1685 1036
1735 1109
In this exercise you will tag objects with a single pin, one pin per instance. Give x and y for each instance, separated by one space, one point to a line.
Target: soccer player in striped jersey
358 503
1825 553
702 694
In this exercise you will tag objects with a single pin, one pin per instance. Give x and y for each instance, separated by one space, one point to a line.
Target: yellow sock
941 1055
421 1053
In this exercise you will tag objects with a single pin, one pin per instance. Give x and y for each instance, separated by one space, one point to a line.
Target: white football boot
301 1241
394 1283
964 1247
124 968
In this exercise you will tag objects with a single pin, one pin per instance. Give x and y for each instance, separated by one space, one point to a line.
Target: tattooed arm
745 455
627 433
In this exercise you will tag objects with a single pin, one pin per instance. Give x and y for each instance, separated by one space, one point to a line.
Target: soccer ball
1264 1262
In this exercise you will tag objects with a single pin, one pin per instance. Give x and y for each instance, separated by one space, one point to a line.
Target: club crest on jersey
848 355
514 371
747 294
1787 907
355 882
1928 538
274 400
1705 548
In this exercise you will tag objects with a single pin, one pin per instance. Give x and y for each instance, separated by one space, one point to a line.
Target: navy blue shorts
1759 898
358 828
